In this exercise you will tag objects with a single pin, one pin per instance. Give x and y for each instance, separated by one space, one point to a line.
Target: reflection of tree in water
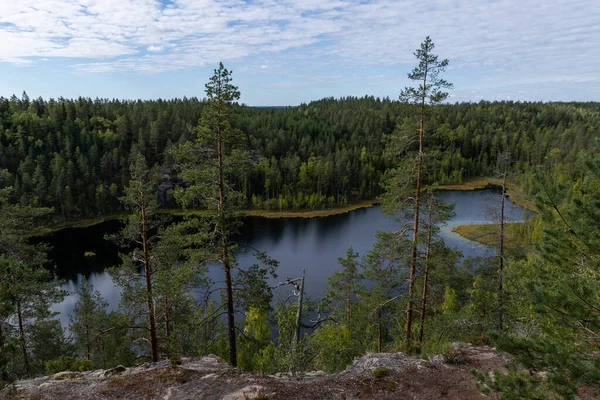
314 244
81 250
255 229
328 227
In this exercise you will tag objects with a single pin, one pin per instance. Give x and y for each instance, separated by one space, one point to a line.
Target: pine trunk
148 276
22 339
415 241
298 323
425 282
225 254
501 257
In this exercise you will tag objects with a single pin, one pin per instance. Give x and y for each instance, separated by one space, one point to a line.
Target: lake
313 244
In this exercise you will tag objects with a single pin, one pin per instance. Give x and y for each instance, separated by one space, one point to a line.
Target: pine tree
558 291
142 229
209 166
344 284
436 213
430 92
26 288
88 320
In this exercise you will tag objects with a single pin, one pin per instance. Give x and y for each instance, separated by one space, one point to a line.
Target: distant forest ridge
74 155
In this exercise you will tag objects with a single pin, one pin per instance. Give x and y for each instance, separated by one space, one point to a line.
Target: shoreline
513 192
86 222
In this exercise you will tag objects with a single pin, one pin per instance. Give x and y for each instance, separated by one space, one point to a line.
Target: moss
452 356
379 372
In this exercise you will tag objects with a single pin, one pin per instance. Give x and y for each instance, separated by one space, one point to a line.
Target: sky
287 52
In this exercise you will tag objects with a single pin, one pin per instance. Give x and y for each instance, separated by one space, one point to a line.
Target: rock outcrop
373 376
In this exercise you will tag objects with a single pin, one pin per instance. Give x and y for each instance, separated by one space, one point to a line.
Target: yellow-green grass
513 190
488 234
285 213
90 221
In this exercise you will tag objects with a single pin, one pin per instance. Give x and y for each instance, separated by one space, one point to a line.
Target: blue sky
285 52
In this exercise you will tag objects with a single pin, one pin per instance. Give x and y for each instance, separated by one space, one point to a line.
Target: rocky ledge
373 376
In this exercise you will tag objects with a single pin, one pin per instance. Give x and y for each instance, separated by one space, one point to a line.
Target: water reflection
297 243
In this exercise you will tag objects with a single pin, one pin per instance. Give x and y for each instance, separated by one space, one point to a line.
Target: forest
75 155
64 159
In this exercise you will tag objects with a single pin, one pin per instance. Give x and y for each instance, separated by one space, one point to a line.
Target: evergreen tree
344 284
436 213
142 230
88 322
559 286
209 166
429 92
26 290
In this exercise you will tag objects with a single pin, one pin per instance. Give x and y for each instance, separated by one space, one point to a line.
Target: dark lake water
297 243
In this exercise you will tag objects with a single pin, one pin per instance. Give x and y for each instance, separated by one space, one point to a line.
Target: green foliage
99 337
285 356
335 346
557 290
345 285
67 363
327 152
82 156
450 304
511 385
256 338
211 166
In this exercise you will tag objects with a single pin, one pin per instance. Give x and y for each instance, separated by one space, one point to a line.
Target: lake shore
513 190
86 222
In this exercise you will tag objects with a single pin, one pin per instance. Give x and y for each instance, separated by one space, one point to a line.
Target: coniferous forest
63 159
75 155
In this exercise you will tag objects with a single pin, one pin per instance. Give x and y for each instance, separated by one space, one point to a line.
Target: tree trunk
379 338
22 339
298 323
501 256
415 241
225 253
167 328
348 298
148 276
230 309
425 281
88 345
4 374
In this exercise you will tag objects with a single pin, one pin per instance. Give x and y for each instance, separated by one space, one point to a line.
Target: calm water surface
313 244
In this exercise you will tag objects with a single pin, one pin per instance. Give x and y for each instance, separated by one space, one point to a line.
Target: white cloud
526 41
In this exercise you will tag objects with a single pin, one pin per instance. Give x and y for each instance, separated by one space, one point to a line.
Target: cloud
524 41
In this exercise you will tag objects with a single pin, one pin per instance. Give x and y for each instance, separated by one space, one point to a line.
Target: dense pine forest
539 301
74 155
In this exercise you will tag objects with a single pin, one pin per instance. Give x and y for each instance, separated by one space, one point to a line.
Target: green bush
81 365
67 363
